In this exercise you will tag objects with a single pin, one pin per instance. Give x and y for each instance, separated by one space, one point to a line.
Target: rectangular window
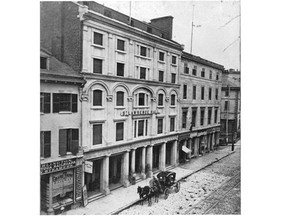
119 131
120 98
43 63
184 118
210 74
216 93
98 38
68 141
173 78
64 102
120 45
142 73
160 99
217 76
194 72
194 115
160 126
227 92
149 29
143 51
194 92
173 98
215 115
186 68
172 124
209 115
97 98
184 91
141 99
161 56
202 116
174 61
45 102
97 134
210 93
161 76
140 128
120 69
226 106
203 72
97 65
202 92
45 144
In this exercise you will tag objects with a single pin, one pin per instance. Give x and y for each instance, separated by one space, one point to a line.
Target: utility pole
192 30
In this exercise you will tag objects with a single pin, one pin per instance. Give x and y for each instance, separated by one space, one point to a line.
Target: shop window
160 126
210 93
98 38
120 45
120 98
142 73
120 69
97 134
184 91
68 141
160 99
97 65
173 78
203 72
194 116
161 76
194 71
64 102
202 116
161 56
209 115
43 62
45 143
119 131
194 92
173 99
202 92
184 118
97 98
174 60
215 115
172 124
45 102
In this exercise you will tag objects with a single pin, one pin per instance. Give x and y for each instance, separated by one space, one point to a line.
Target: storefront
93 177
115 171
156 157
61 185
169 147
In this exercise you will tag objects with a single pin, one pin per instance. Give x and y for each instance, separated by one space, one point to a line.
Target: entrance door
115 171
168 153
155 160
92 180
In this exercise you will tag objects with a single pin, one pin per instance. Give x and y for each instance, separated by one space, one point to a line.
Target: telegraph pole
192 30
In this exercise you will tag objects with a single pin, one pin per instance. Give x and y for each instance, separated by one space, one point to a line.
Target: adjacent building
230 107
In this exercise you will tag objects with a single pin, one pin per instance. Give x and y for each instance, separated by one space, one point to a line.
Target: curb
135 202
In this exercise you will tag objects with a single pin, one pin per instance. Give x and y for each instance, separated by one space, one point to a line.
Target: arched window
120 98
173 99
97 98
160 99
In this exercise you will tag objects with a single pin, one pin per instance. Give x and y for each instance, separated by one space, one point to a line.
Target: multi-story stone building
230 107
60 132
200 100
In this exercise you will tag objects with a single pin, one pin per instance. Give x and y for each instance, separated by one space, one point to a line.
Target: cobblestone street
213 190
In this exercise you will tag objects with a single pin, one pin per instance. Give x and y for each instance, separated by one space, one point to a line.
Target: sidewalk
122 198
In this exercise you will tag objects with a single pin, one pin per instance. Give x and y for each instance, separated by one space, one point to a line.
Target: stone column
213 140
104 184
132 161
143 175
150 160
174 153
189 147
162 159
50 208
196 146
125 169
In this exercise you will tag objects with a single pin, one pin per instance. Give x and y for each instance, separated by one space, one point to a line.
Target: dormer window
43 63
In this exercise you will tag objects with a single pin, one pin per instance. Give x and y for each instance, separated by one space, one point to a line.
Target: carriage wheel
177 187
166 193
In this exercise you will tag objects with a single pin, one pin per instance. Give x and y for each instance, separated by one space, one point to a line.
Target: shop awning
185 149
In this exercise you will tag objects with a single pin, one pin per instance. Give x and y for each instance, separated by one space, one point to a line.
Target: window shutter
55 103
62 142
46 102
75 141
47 144
74 102
41 144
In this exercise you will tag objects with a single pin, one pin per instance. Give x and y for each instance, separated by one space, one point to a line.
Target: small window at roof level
98 38
43 63
149 29
161 56
174 60
121 45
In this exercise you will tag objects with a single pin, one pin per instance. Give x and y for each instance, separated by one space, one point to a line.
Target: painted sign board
88 167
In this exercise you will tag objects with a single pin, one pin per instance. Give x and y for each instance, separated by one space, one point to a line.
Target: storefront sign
88 167
137 112
202 133
57 166
62 182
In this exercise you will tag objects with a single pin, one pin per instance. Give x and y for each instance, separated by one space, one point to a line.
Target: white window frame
103 39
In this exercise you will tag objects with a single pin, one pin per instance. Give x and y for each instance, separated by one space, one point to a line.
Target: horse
144 194
155 188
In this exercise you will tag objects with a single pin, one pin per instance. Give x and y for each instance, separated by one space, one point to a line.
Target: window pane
215 116
172 99
47 144
143 51
160 126
65 102
43 62
142 73
120 45
160 100
173 78
172 123
97 134
120 99
194 115
120 69
202 93
141 99
210 93
161 76
173 59
184 118
97 98
161 56
119 131
184 91
140 127
98 38
97 66
194 92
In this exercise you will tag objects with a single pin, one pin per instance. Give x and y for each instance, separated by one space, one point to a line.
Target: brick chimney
165 24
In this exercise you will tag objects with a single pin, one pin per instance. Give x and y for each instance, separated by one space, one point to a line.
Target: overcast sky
213 41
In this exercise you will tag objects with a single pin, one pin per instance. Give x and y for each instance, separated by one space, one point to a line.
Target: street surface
213 190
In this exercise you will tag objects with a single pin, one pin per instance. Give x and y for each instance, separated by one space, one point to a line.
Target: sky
218 37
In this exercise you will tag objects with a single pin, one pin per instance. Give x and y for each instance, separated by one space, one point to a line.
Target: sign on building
88 167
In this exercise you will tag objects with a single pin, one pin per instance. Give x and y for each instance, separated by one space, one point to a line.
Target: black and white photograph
140 107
